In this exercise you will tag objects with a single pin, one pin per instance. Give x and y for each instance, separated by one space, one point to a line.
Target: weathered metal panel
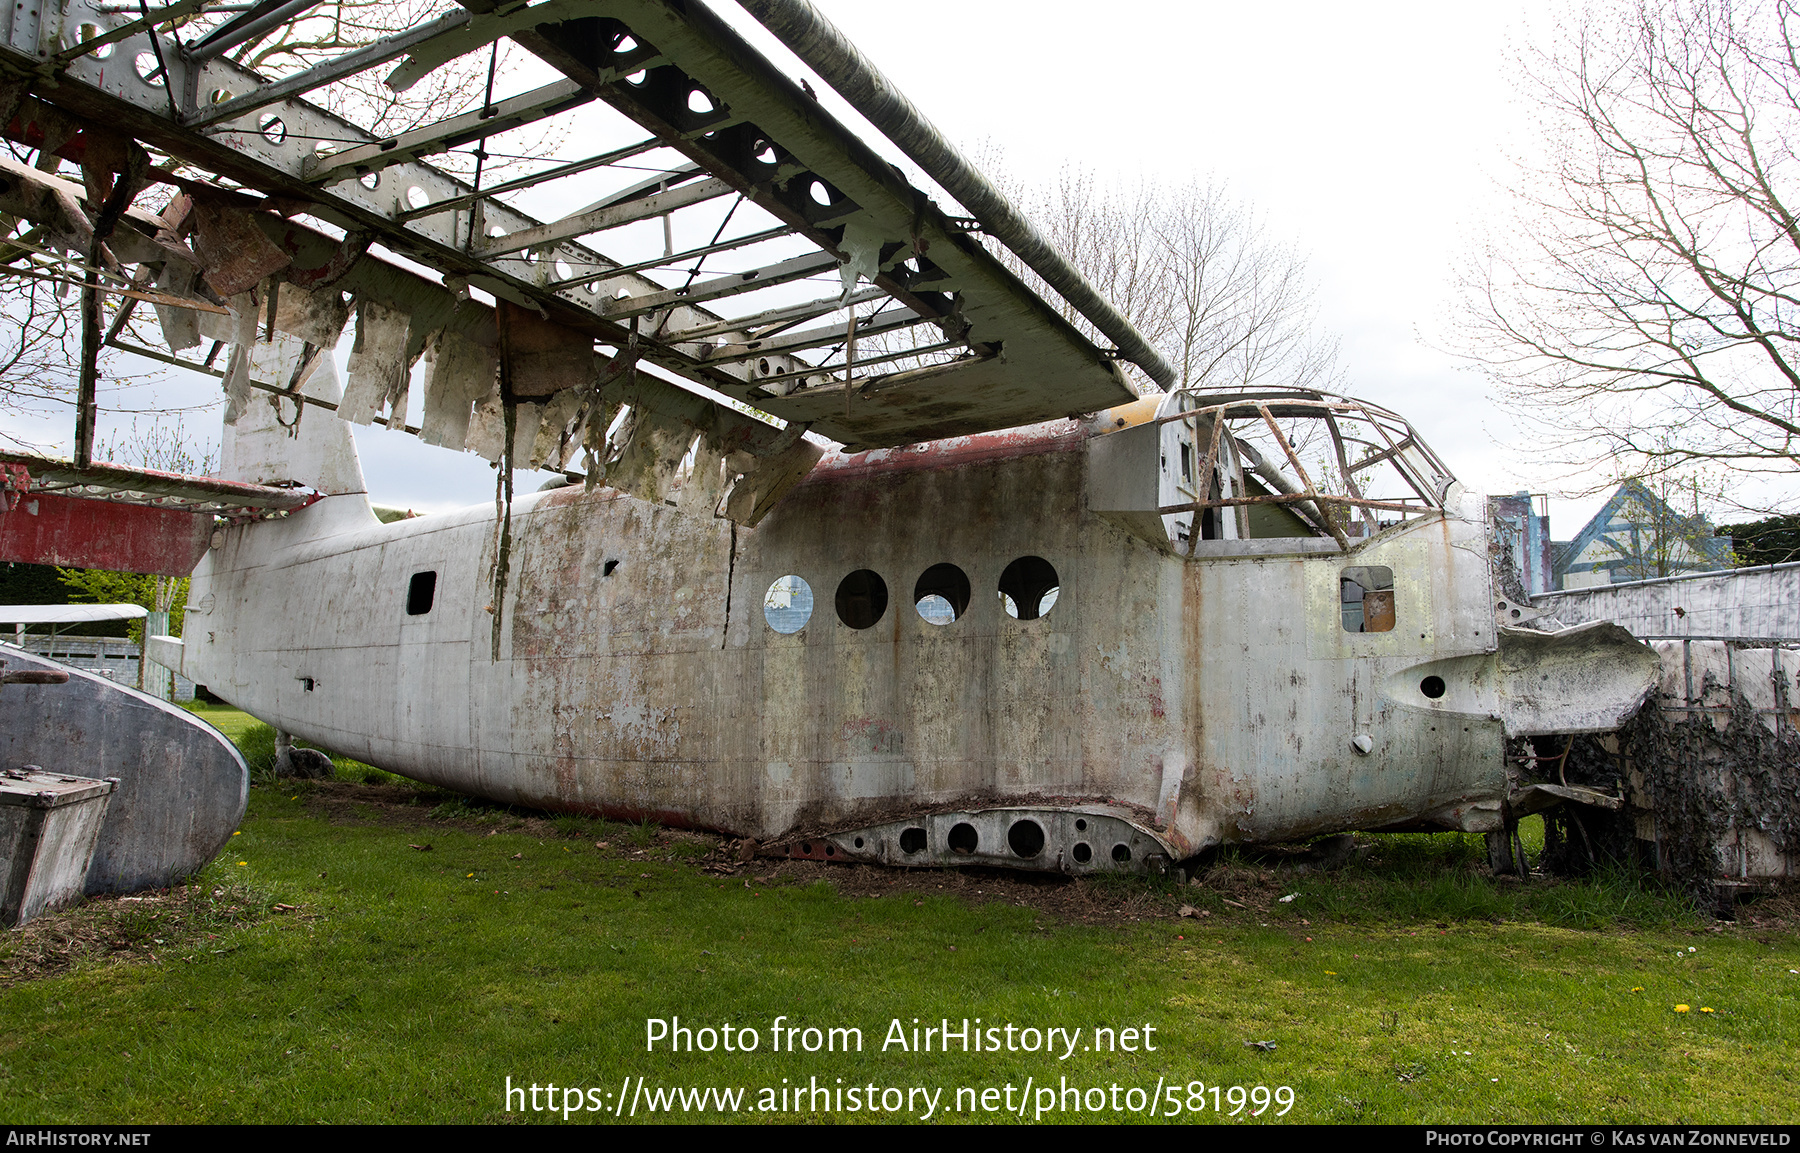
48 825
1199 700
44 528
1747 602
182 784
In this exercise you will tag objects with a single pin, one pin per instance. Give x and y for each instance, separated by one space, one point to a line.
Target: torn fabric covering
542 357
555 440
459 373
862 246
652 447
705 483
318 318
526 420
74 231
767 479
238 329
487 428
235 255
285 362
379 369
180 326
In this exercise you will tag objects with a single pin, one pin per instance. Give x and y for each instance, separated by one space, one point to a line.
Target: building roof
1637 536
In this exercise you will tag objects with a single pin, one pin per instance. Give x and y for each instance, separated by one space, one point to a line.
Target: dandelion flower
1681 1008
1637 988
1704 1009
243 862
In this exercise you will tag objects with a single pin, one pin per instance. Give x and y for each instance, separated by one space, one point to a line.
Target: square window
1366 598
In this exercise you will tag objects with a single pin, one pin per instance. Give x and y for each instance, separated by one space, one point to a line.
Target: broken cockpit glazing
1273 465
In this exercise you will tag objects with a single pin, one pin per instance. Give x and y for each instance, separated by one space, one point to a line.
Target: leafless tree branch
1643 299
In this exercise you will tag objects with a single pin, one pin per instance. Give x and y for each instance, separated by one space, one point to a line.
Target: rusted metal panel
235 255
49 529
541 357
1378 611
1748 602
152 488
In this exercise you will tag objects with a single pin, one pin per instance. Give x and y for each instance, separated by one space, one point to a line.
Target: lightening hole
148 70
1025 838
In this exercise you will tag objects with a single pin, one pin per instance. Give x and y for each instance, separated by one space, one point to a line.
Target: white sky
1375 137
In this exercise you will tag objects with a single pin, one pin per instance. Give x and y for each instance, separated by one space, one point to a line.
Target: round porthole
788 604
1029 588
941 594
862 599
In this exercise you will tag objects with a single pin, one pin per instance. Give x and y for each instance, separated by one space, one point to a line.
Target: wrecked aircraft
984 630
1044 647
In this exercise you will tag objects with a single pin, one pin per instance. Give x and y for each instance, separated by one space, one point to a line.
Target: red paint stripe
102 534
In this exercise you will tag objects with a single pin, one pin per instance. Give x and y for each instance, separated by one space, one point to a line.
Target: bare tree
42 329
1194 270
34 367
1642 300
338 26
1239 307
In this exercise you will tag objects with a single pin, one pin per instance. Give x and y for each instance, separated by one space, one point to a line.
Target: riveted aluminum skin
1204 700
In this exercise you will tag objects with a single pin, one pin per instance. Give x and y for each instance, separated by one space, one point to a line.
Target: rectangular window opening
421 593
1366 599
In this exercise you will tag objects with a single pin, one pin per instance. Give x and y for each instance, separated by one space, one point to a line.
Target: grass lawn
234 723
372 952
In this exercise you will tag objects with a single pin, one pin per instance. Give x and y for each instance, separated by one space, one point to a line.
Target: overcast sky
1376 138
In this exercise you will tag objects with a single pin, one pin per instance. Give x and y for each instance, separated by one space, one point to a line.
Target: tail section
280 441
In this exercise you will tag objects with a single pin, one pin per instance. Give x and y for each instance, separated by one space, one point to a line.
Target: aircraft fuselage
1202 701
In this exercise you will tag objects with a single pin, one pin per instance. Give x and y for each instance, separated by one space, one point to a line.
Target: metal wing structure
707 222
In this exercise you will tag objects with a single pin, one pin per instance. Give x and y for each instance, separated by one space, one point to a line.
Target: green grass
1443 876
232 722
256 741
409 984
